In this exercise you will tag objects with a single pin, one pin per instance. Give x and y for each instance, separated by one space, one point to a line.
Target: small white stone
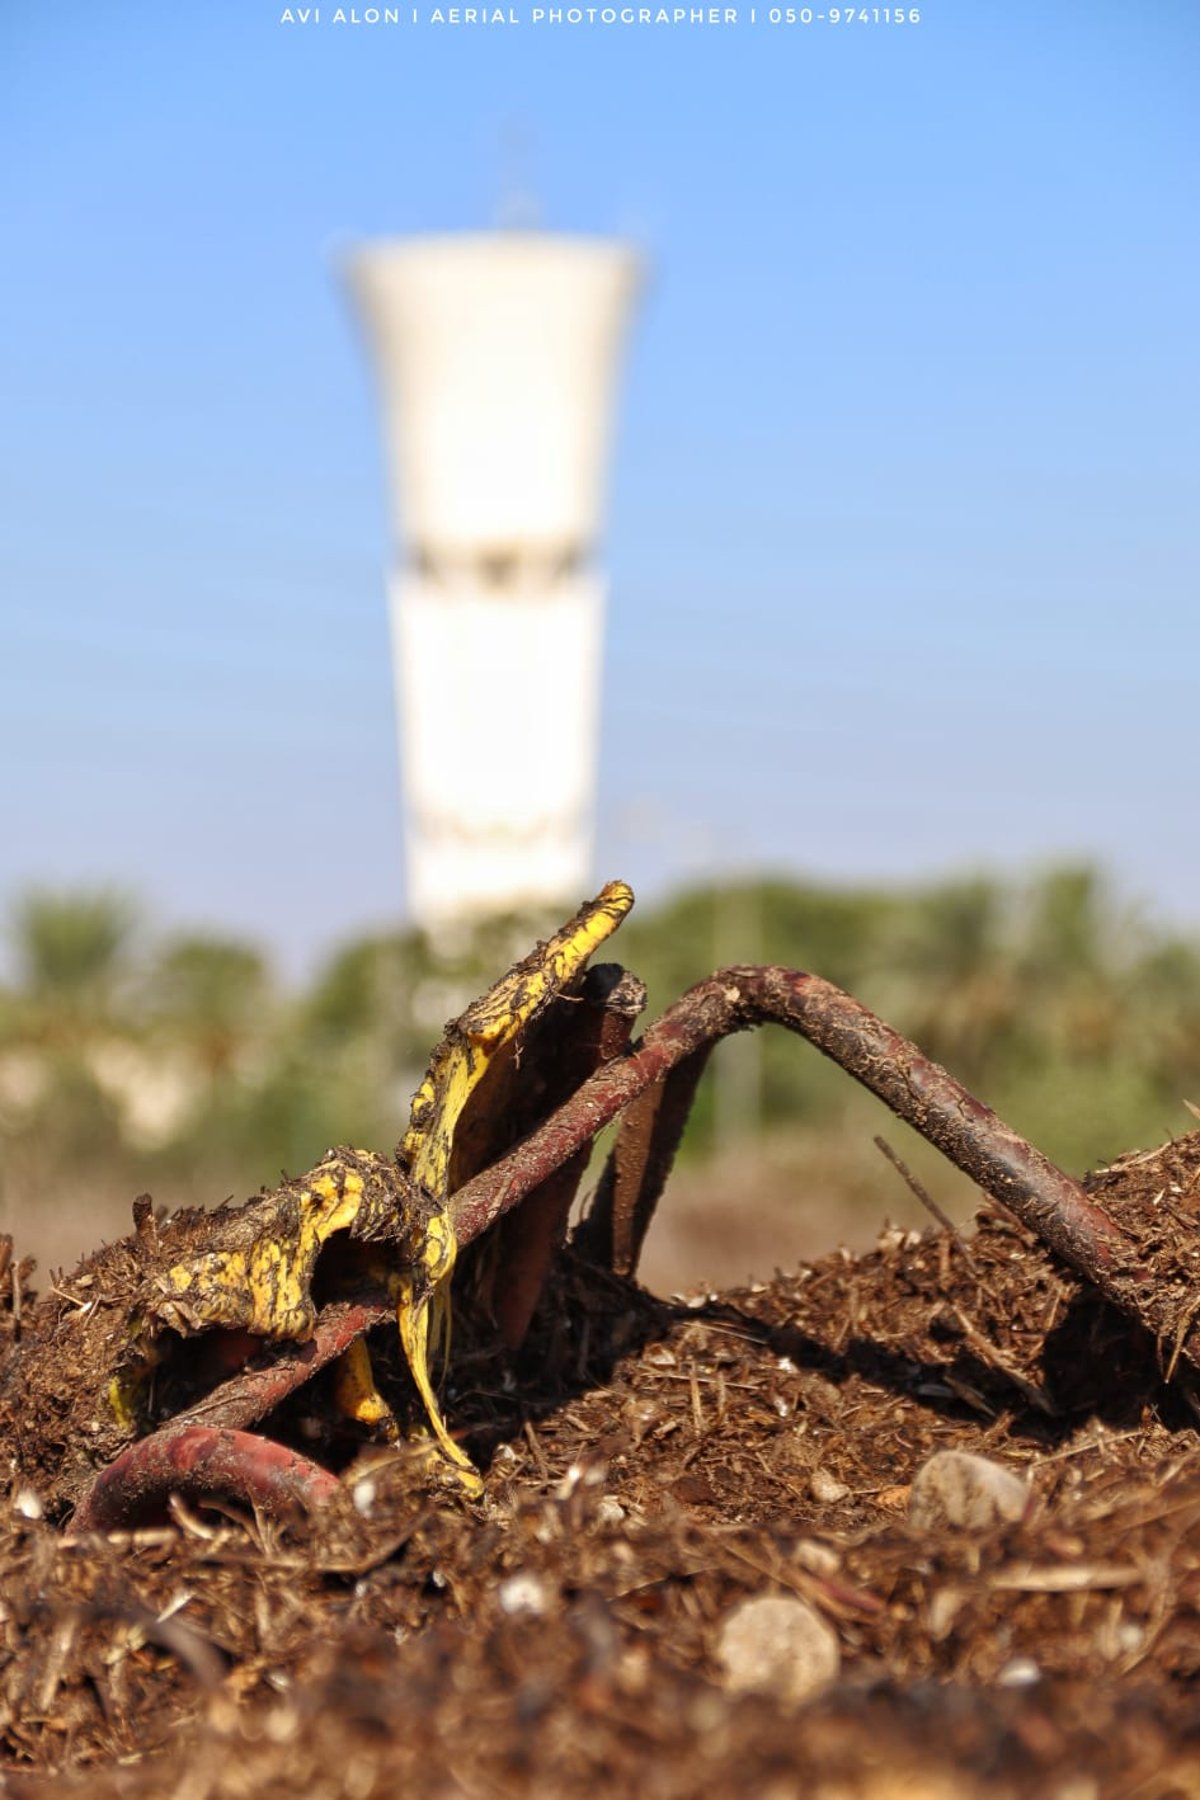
281 1724
1020 1671
778 1645
364 1497
945 1605
964 1492
28 1504
524 1593
817 1558
826 1488
609 1511
570 1481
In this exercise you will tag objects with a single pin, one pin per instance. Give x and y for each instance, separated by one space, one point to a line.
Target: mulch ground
649 1466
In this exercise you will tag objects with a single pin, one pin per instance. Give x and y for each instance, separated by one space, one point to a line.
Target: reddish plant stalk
201 1463
1042 1196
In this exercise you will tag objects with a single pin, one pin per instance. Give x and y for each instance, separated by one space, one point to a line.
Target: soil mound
649 1466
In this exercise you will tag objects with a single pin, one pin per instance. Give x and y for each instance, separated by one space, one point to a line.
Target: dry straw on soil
650 1466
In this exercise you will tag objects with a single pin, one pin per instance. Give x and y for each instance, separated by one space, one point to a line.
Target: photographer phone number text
844 15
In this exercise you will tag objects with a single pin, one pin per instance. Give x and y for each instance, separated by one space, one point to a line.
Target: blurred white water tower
497 355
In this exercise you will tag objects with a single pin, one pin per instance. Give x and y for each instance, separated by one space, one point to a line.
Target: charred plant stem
636 1171
596 1028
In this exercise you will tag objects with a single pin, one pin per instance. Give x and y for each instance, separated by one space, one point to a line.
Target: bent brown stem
1042 1196
201 1463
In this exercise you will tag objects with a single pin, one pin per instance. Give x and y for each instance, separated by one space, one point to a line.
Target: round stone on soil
962 1492
777 1645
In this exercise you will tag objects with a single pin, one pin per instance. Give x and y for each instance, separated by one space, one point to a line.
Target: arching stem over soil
1042 1196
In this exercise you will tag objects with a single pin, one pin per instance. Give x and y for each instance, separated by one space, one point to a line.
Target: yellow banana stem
412 1316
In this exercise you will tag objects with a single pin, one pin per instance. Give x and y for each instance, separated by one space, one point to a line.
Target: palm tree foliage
73 958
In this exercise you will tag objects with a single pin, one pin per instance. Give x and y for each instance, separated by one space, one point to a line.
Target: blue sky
902 539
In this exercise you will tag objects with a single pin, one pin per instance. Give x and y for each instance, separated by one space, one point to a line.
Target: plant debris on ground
650 1466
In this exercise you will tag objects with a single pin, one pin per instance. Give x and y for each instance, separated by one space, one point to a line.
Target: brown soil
648 1466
